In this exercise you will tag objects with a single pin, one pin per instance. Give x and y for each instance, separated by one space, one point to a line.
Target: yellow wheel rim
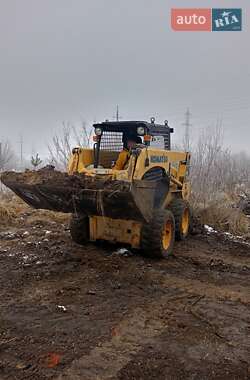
167 235
185 222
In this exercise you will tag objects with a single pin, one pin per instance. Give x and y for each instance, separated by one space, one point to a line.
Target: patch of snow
61 307
26 233
8 235
122 252
47 232
210 229
228 235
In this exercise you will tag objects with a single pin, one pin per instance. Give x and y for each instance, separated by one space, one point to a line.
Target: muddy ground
95 312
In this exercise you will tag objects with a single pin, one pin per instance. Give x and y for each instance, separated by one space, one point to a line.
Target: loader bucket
100 196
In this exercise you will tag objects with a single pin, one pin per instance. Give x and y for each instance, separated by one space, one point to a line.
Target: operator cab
111 138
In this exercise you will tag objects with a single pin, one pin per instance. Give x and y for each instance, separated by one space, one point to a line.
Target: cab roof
123 126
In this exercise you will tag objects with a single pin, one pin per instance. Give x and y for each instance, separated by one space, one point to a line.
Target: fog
76 60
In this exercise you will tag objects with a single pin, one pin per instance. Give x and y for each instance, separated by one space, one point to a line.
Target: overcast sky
74 60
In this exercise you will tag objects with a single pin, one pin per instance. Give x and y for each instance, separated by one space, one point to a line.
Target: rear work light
147 138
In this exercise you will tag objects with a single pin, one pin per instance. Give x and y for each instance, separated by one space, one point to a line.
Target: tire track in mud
145 325
135 303
235 293
206 259
128 337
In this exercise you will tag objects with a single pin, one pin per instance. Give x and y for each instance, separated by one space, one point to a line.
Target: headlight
76 150
98 131
141 131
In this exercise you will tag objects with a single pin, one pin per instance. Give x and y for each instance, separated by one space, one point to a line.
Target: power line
117 113
117 116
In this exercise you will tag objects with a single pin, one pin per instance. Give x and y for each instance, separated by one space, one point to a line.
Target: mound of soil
53 190
92 195
53 177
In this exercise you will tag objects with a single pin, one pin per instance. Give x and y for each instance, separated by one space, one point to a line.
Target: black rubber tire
178 206
79 229
152 234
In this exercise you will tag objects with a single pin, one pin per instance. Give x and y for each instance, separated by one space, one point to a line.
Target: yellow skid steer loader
130 188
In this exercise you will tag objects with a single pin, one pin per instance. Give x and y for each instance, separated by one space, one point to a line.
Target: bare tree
207 168
214 169
241 167
62 143
6 154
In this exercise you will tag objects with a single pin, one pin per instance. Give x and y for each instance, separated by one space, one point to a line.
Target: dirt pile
53 190
54 178
91 195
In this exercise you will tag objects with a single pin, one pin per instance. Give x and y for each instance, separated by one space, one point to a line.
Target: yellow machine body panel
115 230
172 162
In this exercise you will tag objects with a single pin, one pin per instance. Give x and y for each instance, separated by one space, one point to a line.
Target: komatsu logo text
158 159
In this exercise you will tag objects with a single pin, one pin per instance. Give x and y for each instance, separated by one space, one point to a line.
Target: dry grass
223 212
43 217
223 217
12 208
6 215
